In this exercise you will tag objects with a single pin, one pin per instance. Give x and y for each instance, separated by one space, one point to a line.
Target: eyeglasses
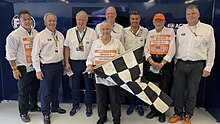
158 21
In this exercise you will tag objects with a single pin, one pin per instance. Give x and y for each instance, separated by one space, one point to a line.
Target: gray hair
45 16
104 23
192 7
82 13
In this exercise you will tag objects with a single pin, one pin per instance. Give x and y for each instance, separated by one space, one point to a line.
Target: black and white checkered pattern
126 71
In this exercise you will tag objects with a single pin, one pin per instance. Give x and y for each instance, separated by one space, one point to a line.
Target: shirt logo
157 47
15 22
183 34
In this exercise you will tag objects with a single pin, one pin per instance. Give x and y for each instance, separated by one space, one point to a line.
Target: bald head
111 8
110 14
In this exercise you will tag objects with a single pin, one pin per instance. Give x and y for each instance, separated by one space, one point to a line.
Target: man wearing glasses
159 51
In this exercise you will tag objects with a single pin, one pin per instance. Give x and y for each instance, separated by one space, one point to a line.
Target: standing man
135 35
102 50
195 58
18 53
47 60
78 42
159 51
117 29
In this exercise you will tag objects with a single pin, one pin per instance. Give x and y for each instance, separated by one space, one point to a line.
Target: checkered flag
125 70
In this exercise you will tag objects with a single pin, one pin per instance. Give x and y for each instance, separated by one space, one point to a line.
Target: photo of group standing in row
169 59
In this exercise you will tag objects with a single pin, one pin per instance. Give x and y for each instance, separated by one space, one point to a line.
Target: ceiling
72 1
102 1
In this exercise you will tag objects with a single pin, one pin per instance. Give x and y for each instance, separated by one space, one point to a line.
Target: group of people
38 59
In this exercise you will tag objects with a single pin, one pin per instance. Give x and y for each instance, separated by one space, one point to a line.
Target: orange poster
103 55
159 43
28 42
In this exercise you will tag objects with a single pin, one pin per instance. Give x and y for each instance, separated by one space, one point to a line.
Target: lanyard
55 38
78 36
139 31
193 32
113 29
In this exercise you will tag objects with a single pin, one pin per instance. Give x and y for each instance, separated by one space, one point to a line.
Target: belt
60 62
78 60
191 62
21 66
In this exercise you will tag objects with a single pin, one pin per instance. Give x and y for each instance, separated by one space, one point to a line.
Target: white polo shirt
162 42
197 43
19 46
132 40
117 31
100 53
47 48
72 42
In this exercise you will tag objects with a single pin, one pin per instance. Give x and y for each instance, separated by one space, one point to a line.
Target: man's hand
205 73
156 65
39 75
89 68
17 74
67 67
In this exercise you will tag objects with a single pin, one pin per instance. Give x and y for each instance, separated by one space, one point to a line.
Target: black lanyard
78 36
138 33
113 29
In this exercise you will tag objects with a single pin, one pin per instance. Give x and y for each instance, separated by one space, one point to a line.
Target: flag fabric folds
126 71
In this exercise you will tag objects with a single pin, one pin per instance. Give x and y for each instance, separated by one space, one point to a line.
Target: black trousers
164 79
106 95
28 86
50 86
187 77
134 100
78 67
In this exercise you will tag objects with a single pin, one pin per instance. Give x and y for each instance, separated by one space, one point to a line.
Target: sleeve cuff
37 69
208 69
167 58
147 56
66 45
89 62
10 58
